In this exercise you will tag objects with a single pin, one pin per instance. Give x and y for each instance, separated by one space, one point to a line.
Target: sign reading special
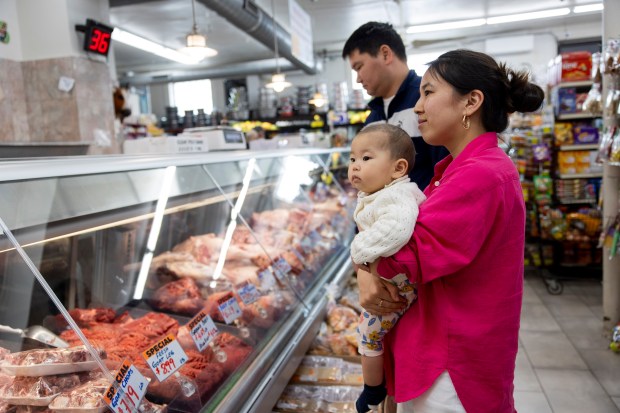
165 357
127 391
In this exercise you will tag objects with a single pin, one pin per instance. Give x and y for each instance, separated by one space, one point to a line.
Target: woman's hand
377 296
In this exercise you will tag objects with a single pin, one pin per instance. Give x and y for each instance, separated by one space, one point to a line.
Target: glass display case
189 283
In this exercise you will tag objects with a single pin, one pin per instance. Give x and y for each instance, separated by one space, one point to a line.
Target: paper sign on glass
229 308
128 389
202 329
248 292
165 357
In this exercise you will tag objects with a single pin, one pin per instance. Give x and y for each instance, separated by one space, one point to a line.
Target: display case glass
199 273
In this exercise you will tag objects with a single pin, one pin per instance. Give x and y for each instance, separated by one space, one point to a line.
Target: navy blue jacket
400 113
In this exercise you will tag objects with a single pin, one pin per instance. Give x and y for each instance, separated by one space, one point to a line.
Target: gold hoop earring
466 122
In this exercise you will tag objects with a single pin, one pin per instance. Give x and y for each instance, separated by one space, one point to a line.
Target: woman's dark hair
369 37
505 90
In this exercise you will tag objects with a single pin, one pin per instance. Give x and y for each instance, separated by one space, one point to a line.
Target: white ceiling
169 21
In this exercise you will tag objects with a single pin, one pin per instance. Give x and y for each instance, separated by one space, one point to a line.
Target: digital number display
97 37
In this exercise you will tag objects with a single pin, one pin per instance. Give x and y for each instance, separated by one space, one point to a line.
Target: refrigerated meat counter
198 281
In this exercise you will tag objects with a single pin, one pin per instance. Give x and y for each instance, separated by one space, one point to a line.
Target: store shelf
573 116
588 147
576 201
580 83
584 175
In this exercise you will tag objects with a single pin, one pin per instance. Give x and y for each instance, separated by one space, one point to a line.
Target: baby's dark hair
393 139
369 37
505 90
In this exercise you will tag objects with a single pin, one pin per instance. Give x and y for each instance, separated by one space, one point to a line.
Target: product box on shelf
570 67
583 134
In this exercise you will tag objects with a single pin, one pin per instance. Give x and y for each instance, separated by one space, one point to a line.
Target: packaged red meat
87 398
180 297
44 362
37 391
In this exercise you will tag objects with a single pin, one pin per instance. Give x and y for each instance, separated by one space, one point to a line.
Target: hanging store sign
97 37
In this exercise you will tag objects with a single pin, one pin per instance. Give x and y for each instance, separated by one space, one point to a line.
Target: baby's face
371 166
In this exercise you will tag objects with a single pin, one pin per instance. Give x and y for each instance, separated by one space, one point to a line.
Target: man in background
377 54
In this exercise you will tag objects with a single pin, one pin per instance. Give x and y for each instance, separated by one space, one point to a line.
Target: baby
387 208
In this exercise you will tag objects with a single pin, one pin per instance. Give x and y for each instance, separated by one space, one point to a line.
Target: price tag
306 245
315 237
165 357
281 268
248 292
202 329
128 389
266 279
229 308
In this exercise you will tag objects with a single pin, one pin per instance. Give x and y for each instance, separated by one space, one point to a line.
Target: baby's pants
372 328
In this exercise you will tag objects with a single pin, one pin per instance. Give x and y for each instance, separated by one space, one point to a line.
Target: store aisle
564 364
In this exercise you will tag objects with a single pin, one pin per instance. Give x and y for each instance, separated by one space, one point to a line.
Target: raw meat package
40 391
44 362
87 398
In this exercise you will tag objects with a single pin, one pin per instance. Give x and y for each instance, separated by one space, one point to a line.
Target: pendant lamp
196 43
278 80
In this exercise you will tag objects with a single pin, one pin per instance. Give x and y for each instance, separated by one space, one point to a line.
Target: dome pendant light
278 80
196 43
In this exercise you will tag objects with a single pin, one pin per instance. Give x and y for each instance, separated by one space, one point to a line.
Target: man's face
370 72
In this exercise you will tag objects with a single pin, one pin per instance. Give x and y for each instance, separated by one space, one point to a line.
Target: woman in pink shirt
455 349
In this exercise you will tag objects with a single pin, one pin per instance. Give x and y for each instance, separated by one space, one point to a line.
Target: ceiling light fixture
504 19
278 80
196 43
446 26
588 8
130 39
529 16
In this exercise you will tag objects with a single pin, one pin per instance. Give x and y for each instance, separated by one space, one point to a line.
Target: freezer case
187 283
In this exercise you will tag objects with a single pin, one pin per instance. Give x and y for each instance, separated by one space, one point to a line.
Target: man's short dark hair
369 37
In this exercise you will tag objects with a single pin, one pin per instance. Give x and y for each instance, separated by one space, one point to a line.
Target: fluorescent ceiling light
529 16
446 26
504 19
141 43
588 7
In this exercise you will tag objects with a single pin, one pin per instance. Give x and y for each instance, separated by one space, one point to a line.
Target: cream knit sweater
385 220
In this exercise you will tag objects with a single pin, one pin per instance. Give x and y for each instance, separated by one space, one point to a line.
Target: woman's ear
400 168
474 101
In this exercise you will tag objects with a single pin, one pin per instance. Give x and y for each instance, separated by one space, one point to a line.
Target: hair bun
524 95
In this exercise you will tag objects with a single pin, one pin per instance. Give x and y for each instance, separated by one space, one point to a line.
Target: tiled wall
33 109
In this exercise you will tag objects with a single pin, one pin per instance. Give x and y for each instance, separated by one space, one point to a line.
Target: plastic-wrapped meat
189 269
153 325
50 356
179 297
341 318
38 390
239 274
87 396
236 350
169 257
206 248
275 218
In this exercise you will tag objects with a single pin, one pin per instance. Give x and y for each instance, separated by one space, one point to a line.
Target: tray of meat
37 391
87 398
45 362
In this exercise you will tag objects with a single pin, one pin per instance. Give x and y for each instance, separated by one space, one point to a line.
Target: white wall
12 50
45 29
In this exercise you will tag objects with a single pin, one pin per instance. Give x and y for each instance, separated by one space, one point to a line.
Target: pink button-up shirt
466 254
